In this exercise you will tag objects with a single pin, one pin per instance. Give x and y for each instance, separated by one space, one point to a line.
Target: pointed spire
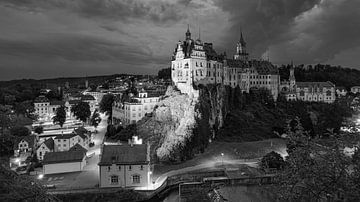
242 41
188 34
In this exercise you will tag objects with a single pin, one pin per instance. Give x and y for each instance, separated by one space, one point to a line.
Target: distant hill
345 77
61 81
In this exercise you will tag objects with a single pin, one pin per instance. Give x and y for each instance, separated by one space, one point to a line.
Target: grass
231 151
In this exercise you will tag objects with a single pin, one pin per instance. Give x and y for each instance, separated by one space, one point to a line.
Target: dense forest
344 77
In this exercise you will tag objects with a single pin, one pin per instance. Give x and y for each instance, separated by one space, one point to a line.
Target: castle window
136 179
114 179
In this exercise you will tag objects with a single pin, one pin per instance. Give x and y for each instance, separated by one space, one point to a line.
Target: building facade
46 146
134 110
195 62
126 165
63 162
307 91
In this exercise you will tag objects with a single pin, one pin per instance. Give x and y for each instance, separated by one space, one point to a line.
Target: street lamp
222 159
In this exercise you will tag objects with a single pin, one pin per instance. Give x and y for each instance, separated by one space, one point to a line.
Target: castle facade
194 62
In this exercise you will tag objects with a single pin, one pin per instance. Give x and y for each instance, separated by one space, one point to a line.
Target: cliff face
181 125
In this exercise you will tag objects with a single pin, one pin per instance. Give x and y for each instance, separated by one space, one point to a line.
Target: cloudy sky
59 38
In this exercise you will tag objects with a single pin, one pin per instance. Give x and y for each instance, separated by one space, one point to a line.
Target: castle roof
327 84
57 102
41 99
264 67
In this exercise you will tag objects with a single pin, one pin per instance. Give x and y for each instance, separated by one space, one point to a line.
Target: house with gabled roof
64 162
64 142
126 165
26 144
46 146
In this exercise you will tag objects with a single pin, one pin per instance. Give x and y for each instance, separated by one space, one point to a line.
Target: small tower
292 77
241 53
188 34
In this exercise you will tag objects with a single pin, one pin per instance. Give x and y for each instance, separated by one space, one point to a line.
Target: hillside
345 77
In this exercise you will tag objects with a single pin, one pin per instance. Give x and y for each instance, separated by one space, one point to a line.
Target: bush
38 129
272 160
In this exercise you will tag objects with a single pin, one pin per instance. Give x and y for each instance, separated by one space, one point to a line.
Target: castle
195 62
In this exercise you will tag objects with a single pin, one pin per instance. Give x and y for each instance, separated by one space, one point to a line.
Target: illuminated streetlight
222 159
40 176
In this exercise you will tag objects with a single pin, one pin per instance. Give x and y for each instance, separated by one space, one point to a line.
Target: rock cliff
181 126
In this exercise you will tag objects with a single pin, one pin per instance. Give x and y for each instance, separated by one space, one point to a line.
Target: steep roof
87 97
124 154
264 67
327 84
72 102
30 139
63 157
49 143
57 102
65 136
78 147
41 99
237 63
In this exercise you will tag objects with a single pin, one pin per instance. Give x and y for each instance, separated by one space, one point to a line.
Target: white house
125 165
64 142
46 146
134 110
355 89
26 144
63 162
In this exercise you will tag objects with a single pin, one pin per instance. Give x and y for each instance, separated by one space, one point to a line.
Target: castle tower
241 53
292 77
188 34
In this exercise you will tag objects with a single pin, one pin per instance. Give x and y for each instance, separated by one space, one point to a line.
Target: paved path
226 163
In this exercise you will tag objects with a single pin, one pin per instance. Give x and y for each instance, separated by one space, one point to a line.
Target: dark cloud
112 36
308 31
156 11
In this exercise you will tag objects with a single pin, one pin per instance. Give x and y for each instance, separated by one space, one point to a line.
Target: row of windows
129 168
114 180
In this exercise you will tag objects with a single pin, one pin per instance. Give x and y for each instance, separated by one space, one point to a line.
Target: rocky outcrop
181 126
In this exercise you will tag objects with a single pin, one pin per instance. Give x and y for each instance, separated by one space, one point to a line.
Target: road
89 177
211 164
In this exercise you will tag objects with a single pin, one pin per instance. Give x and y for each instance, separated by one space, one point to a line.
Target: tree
106 105
60 116
164 73
95 119
20 131
315 171
272 160
38 129
5 118
82 111
25 108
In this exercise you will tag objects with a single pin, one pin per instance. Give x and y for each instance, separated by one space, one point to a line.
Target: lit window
114 179
136 179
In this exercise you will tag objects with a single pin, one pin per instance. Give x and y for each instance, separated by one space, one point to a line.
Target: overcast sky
60 38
